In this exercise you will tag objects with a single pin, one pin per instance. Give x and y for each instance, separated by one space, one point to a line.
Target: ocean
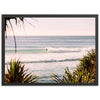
44 55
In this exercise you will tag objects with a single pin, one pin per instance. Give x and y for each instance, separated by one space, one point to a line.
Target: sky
53 27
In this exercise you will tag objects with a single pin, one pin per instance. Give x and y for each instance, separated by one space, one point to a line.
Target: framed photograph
50 50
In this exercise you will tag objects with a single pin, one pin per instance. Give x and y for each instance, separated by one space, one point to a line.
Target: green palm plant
89 61
84 73
17 74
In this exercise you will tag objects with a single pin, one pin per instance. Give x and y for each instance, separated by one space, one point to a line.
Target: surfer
46 49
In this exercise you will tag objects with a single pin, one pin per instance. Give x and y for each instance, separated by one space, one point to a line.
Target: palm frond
17 74
84 73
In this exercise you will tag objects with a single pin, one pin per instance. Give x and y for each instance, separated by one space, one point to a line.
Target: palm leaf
17 74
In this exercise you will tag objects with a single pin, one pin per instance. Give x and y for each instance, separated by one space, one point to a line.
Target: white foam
48 56
68 49
45 69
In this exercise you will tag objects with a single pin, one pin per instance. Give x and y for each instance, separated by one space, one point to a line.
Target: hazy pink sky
55 26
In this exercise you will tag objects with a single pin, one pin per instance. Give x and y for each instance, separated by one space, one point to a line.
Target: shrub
84 73
17 74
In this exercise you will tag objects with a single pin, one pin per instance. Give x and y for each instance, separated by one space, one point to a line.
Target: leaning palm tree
18 20
8 20
17 74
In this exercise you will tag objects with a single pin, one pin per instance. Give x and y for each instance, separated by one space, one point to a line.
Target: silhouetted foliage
8 19
17 74
84 73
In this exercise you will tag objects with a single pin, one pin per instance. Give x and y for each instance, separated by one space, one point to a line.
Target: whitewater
44 55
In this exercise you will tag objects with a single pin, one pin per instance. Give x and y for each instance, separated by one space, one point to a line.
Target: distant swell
49 61
47 50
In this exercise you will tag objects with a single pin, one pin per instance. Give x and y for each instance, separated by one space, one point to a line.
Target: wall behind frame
49 92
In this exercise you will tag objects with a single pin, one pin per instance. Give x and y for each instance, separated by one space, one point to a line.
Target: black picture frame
4 16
